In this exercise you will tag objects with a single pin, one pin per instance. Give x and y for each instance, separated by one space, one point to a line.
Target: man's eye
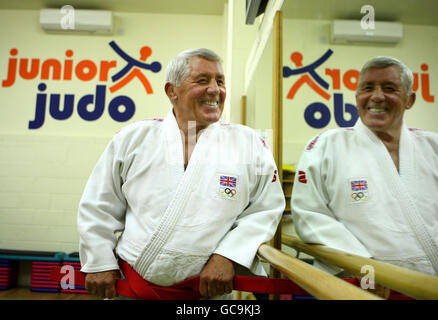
389 89
203 80
220 82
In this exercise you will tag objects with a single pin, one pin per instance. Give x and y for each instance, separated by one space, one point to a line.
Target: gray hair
178 69
406 76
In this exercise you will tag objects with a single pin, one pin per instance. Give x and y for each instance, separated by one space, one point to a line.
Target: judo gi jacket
227 201
348 195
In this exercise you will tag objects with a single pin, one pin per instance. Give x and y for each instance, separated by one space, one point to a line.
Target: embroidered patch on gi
302 177
275 176
359 190
227 186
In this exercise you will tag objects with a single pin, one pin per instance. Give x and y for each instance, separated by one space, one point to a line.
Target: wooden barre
319 284
412 283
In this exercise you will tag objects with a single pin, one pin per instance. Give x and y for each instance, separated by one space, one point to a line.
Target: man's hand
217 277
102 284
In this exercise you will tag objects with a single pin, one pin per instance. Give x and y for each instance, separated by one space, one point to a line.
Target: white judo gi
348 195
228 201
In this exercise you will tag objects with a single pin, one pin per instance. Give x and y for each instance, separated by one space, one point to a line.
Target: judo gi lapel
407 160
402 185
408 188
184 182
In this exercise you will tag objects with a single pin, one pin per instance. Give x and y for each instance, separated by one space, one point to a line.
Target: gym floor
24 293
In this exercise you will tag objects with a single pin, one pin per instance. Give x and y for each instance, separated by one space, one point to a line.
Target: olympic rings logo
357 196
230 192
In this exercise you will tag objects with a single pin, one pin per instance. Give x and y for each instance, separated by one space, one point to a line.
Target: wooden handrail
318 283
412 283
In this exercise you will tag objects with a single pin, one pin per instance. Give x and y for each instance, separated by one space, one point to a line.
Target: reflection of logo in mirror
317 114
297 57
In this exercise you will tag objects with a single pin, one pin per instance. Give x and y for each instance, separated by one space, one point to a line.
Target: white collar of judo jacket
175 139
175 158
201 156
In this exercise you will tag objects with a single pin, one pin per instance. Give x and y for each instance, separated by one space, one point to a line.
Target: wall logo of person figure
89 107
318 113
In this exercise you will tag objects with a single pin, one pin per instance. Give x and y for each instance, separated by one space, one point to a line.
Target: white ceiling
422 12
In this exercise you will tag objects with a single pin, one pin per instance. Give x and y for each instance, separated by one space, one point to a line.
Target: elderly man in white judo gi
191 195
370 189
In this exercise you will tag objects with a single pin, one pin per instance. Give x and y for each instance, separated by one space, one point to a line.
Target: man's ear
411 100
170 91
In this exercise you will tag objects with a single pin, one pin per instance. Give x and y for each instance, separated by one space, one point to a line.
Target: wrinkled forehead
375 74
199 65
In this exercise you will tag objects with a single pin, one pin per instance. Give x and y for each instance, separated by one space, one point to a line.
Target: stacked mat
42 262
40 277
8 274
72 261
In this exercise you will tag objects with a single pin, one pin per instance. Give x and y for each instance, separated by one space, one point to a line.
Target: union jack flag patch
359 185
227 187
227 181
358 190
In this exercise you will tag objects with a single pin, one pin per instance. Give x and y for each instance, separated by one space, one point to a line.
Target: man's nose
213 87
378 94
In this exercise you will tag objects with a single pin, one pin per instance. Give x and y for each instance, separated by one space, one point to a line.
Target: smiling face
201 95
382 100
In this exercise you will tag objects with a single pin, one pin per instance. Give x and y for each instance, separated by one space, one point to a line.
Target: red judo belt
134 286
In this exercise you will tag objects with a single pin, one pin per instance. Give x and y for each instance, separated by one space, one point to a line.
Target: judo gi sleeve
259 220
314 221
101 213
